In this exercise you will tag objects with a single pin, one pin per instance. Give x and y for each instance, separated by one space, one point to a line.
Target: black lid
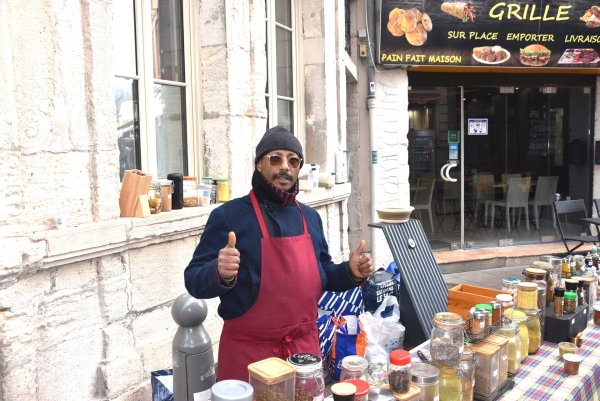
304 359
559 292
570 285
580 284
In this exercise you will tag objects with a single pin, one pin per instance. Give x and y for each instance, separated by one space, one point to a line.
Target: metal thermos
193 362
177 189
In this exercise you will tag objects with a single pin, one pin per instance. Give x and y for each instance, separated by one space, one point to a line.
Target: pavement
490 278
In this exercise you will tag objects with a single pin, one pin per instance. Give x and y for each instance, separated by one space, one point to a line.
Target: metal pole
371 105
462 167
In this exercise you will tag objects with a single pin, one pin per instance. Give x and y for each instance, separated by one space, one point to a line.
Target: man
266 257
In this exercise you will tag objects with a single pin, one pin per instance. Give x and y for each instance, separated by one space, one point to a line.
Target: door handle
448 173
442 172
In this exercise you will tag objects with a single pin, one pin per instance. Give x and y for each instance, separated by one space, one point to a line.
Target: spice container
506 301
559 301
570 302
166 189
488 309
223 189
510 285
427 378
190 192
566 348
478 323
589 288
511 332
527 295
272 380
354 367
572 362
155 197
450 385
204 194
496 313
488 361
597 314
581 294
310 385
538 276
231 390
399 371
534 328
468 366
502 343
362 389
520 319
447 339
551 277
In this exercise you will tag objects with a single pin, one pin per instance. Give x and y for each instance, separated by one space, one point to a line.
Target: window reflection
167 40
128 127
169 117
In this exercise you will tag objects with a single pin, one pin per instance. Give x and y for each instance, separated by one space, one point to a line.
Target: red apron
282 321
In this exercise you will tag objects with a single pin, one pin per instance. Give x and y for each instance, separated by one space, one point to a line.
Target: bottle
588 260
559 299
581 294
595 256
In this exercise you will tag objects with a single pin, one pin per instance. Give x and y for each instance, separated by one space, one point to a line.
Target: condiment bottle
595 256
223 189
588 260
581 294
496 313
559 299
570 302
166 188
399 371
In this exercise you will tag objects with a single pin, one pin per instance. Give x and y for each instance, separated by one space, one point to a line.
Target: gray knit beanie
278 138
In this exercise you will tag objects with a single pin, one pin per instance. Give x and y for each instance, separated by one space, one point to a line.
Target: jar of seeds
447 339
310 385
487 375
399 371
570 302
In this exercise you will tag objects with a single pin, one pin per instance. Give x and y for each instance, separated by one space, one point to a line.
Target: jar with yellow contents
450 384
511 332
535 329
520 319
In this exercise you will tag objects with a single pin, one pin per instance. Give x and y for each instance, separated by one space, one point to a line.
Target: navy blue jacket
202 279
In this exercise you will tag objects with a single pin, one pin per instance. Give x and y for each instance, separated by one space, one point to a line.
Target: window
282 91
153 86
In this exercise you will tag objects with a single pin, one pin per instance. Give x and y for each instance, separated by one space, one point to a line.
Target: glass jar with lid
534 328
509 284
581 293
447 339
528 295
487 375
488 309
399 371
520 319
223 189
272 378
310 384
190 192
450 384
155 197
427 378
468 366
362 389
506 301
579 263
354 367
511 332
166 188
551 276
538 276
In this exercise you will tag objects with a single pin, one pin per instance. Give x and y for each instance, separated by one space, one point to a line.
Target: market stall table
541 376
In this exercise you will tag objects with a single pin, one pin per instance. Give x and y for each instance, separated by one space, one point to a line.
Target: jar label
495 373
504 357
461 349
481 325
573 321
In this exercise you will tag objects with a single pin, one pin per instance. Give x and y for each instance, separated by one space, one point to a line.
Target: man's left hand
361 264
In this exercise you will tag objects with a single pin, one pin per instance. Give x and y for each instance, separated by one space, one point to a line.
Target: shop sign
478 126
453 151
499 33
453 136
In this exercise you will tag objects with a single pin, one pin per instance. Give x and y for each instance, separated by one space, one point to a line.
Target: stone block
212 24
313 19
154 327
20 381
122 367
316 54
86 237
75 276
157 272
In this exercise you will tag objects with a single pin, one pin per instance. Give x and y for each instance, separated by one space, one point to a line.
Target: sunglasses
277 160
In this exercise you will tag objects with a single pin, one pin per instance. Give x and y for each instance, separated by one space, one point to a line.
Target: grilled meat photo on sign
464 11
592 17
535 55
490 54
411 22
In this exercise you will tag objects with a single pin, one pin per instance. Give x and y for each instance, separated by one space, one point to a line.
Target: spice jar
166 188
272 379
559 300
479 321
581 293
362 389
566 348
310 385
223 189
511 332
572 362
450 385
468 366
571 285
399 371
502 343
537 276
551 277
488 309
506 301
488 362
527 295
496 313
354 367
447 339
570 302
231 390
510 285
589 284
190 193
427 378
534 328
519 318
155 197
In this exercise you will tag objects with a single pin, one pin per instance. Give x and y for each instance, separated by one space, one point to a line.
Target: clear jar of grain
511 332
310 385
190 192
534 328
527 295
502 343
510 285
520 319
488 362
450 385
447 339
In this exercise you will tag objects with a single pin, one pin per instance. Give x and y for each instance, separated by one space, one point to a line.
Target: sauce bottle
595 256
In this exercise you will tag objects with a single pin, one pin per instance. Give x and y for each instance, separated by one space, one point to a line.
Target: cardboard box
133 199
562 329
463 297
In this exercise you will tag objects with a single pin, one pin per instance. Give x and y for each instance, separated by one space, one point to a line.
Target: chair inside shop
545 191
575 210
517 198
423 199
483 190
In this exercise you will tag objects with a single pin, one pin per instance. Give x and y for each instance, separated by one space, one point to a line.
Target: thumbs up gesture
228 261
361 264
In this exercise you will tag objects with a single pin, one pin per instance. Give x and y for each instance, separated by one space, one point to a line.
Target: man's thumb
361 247
231 241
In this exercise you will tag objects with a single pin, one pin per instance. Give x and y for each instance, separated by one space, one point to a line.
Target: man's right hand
228 262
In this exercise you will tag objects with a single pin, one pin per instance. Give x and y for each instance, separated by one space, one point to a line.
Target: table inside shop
541 375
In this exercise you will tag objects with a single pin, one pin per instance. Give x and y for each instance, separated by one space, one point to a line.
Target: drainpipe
371 105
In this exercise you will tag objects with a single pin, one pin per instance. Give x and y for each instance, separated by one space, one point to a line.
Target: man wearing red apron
266 257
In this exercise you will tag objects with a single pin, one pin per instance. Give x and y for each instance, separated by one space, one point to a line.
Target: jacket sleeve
338 277
201 277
